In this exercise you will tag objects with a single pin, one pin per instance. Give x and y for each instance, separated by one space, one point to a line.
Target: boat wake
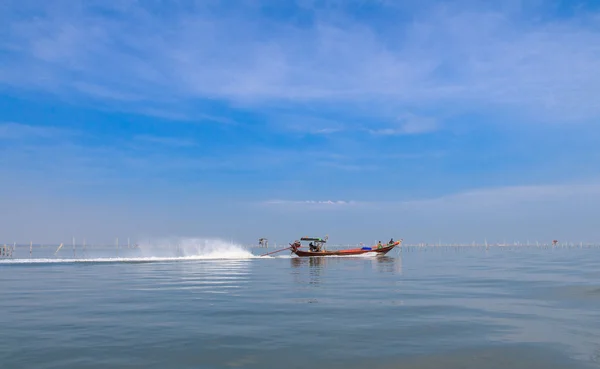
163 250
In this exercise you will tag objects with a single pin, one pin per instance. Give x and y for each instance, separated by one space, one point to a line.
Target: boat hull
348 252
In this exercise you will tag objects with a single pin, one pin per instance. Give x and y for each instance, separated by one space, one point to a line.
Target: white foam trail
112 260
181 249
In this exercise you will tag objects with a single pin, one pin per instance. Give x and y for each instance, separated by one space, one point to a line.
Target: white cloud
456 58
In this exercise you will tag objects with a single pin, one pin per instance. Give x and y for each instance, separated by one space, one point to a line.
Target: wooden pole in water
74 253
84 249
117 246
30 248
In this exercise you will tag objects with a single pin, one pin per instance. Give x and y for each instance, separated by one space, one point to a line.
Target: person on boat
296 245
314 247
379 245
391 241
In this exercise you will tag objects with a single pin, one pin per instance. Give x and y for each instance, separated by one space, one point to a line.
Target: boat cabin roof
312 239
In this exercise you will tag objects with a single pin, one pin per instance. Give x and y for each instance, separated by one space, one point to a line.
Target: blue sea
218 305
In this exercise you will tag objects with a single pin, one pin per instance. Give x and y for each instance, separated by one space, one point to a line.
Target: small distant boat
316 248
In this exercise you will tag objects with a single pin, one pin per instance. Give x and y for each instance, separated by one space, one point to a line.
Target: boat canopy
316 239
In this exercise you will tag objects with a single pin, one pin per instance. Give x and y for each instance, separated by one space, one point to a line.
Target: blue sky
428 120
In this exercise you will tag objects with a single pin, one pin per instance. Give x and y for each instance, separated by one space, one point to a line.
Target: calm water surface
422 308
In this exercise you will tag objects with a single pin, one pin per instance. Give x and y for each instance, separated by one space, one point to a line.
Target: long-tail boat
318 248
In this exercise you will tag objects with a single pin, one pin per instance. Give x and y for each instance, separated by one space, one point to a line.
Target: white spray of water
199 248
160 250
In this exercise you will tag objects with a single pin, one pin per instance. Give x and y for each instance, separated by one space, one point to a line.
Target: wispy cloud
166 141
547 69
307 124
17 131
179 113
510 196
347 167
104 92
500 199
408 124
332 203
